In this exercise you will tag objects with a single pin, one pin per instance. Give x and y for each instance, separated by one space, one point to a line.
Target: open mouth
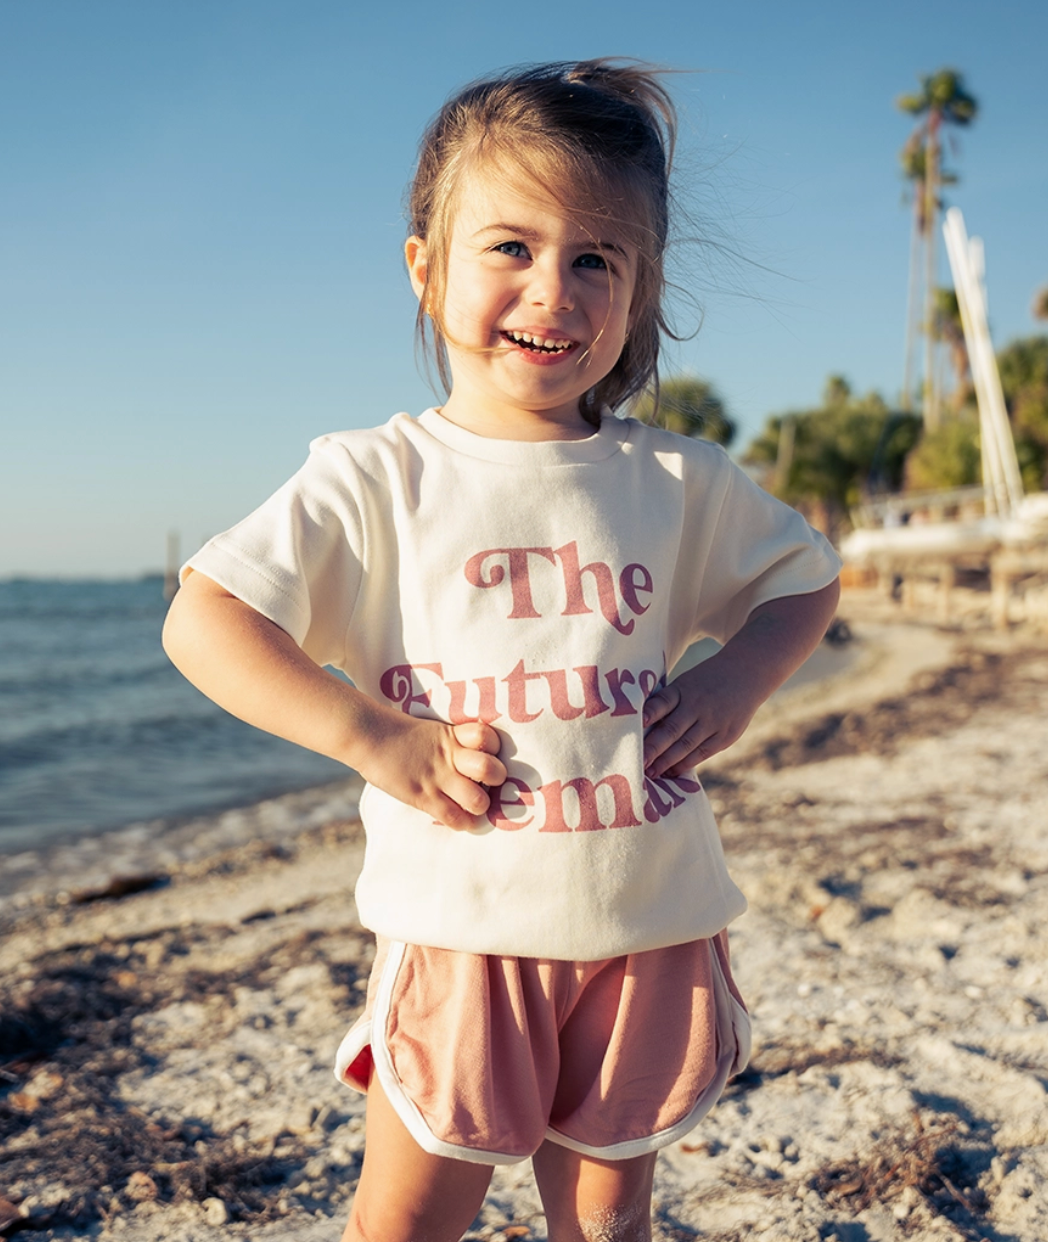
538 344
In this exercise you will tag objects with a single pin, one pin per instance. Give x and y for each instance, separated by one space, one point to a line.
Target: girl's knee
359 1227
628 1223
594 1200
401 1226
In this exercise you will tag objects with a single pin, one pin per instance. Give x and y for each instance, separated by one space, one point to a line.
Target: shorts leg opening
734 1044
403 1105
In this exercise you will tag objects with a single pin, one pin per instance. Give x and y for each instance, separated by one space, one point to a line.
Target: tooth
548 344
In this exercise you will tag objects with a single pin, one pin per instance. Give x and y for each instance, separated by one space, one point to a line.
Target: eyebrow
526 234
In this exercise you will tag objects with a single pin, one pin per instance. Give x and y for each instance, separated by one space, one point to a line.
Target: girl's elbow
188 617
185 622
173 635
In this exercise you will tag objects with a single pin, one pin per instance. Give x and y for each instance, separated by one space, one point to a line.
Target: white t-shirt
546 588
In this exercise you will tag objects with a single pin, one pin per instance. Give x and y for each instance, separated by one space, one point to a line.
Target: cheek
617 324
473 305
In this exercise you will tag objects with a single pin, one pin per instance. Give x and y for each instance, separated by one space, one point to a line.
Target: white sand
893 956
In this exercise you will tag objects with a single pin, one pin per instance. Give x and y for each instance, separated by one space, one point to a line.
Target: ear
415 254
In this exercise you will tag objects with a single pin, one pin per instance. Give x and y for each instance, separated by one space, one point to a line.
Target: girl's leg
405 1194
588 1200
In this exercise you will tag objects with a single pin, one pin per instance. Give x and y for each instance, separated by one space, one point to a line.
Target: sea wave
155 846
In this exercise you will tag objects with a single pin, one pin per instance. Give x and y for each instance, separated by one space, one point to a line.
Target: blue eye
515 249
594 262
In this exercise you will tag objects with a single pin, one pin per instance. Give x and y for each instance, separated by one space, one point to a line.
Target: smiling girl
507 579
535 309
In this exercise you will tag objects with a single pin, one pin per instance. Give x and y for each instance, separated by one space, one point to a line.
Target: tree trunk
931 217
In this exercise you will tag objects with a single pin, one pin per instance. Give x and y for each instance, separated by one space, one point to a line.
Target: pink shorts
484 1058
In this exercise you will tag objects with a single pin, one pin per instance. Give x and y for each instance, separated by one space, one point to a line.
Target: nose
551 285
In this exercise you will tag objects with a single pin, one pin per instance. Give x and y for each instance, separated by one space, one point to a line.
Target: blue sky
201 225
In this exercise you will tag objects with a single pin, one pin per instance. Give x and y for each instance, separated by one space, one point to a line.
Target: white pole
959 253
967 263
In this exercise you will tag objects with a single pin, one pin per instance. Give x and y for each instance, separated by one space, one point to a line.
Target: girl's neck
515 424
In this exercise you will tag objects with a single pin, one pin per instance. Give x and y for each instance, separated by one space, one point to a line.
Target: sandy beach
165 1053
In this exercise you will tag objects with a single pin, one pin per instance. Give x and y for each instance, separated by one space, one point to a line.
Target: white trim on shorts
403 1105
733 1039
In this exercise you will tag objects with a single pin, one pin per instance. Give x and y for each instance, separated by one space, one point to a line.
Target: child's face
536 309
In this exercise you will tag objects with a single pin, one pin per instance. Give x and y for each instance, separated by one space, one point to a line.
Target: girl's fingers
669 736
460 803
684 753
479 766
452 816
476 759
660 705
478 736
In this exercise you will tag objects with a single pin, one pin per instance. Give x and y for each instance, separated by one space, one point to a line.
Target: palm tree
824 460
690 406
942 100
913 158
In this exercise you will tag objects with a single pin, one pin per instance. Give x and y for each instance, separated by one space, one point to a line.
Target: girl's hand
437 768
709 707
255 670
700 713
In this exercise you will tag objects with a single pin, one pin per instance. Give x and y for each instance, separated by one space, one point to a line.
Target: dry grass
938 1161
72 1028
942 702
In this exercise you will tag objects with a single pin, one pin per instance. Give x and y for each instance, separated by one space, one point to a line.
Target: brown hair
597 137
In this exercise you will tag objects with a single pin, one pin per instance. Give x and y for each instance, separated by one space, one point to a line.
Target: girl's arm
256 671
706 709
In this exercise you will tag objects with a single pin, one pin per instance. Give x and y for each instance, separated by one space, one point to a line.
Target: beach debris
44 1085
839 633
23 1102
140 1187
937 703
931 1160
78 1014
9 1214
215 1212
118 886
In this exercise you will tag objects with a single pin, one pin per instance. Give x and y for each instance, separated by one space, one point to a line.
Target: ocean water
98 730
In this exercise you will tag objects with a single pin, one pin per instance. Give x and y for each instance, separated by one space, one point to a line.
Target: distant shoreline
880 661
825 663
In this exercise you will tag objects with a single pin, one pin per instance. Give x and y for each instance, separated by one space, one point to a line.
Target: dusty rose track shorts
483 1058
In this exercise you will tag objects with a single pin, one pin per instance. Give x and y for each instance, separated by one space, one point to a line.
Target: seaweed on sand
940 1161
65 1038
939 702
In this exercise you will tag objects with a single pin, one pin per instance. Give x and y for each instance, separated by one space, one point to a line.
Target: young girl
507 580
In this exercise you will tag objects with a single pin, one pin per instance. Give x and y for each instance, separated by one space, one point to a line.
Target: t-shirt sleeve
298 558
758 549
